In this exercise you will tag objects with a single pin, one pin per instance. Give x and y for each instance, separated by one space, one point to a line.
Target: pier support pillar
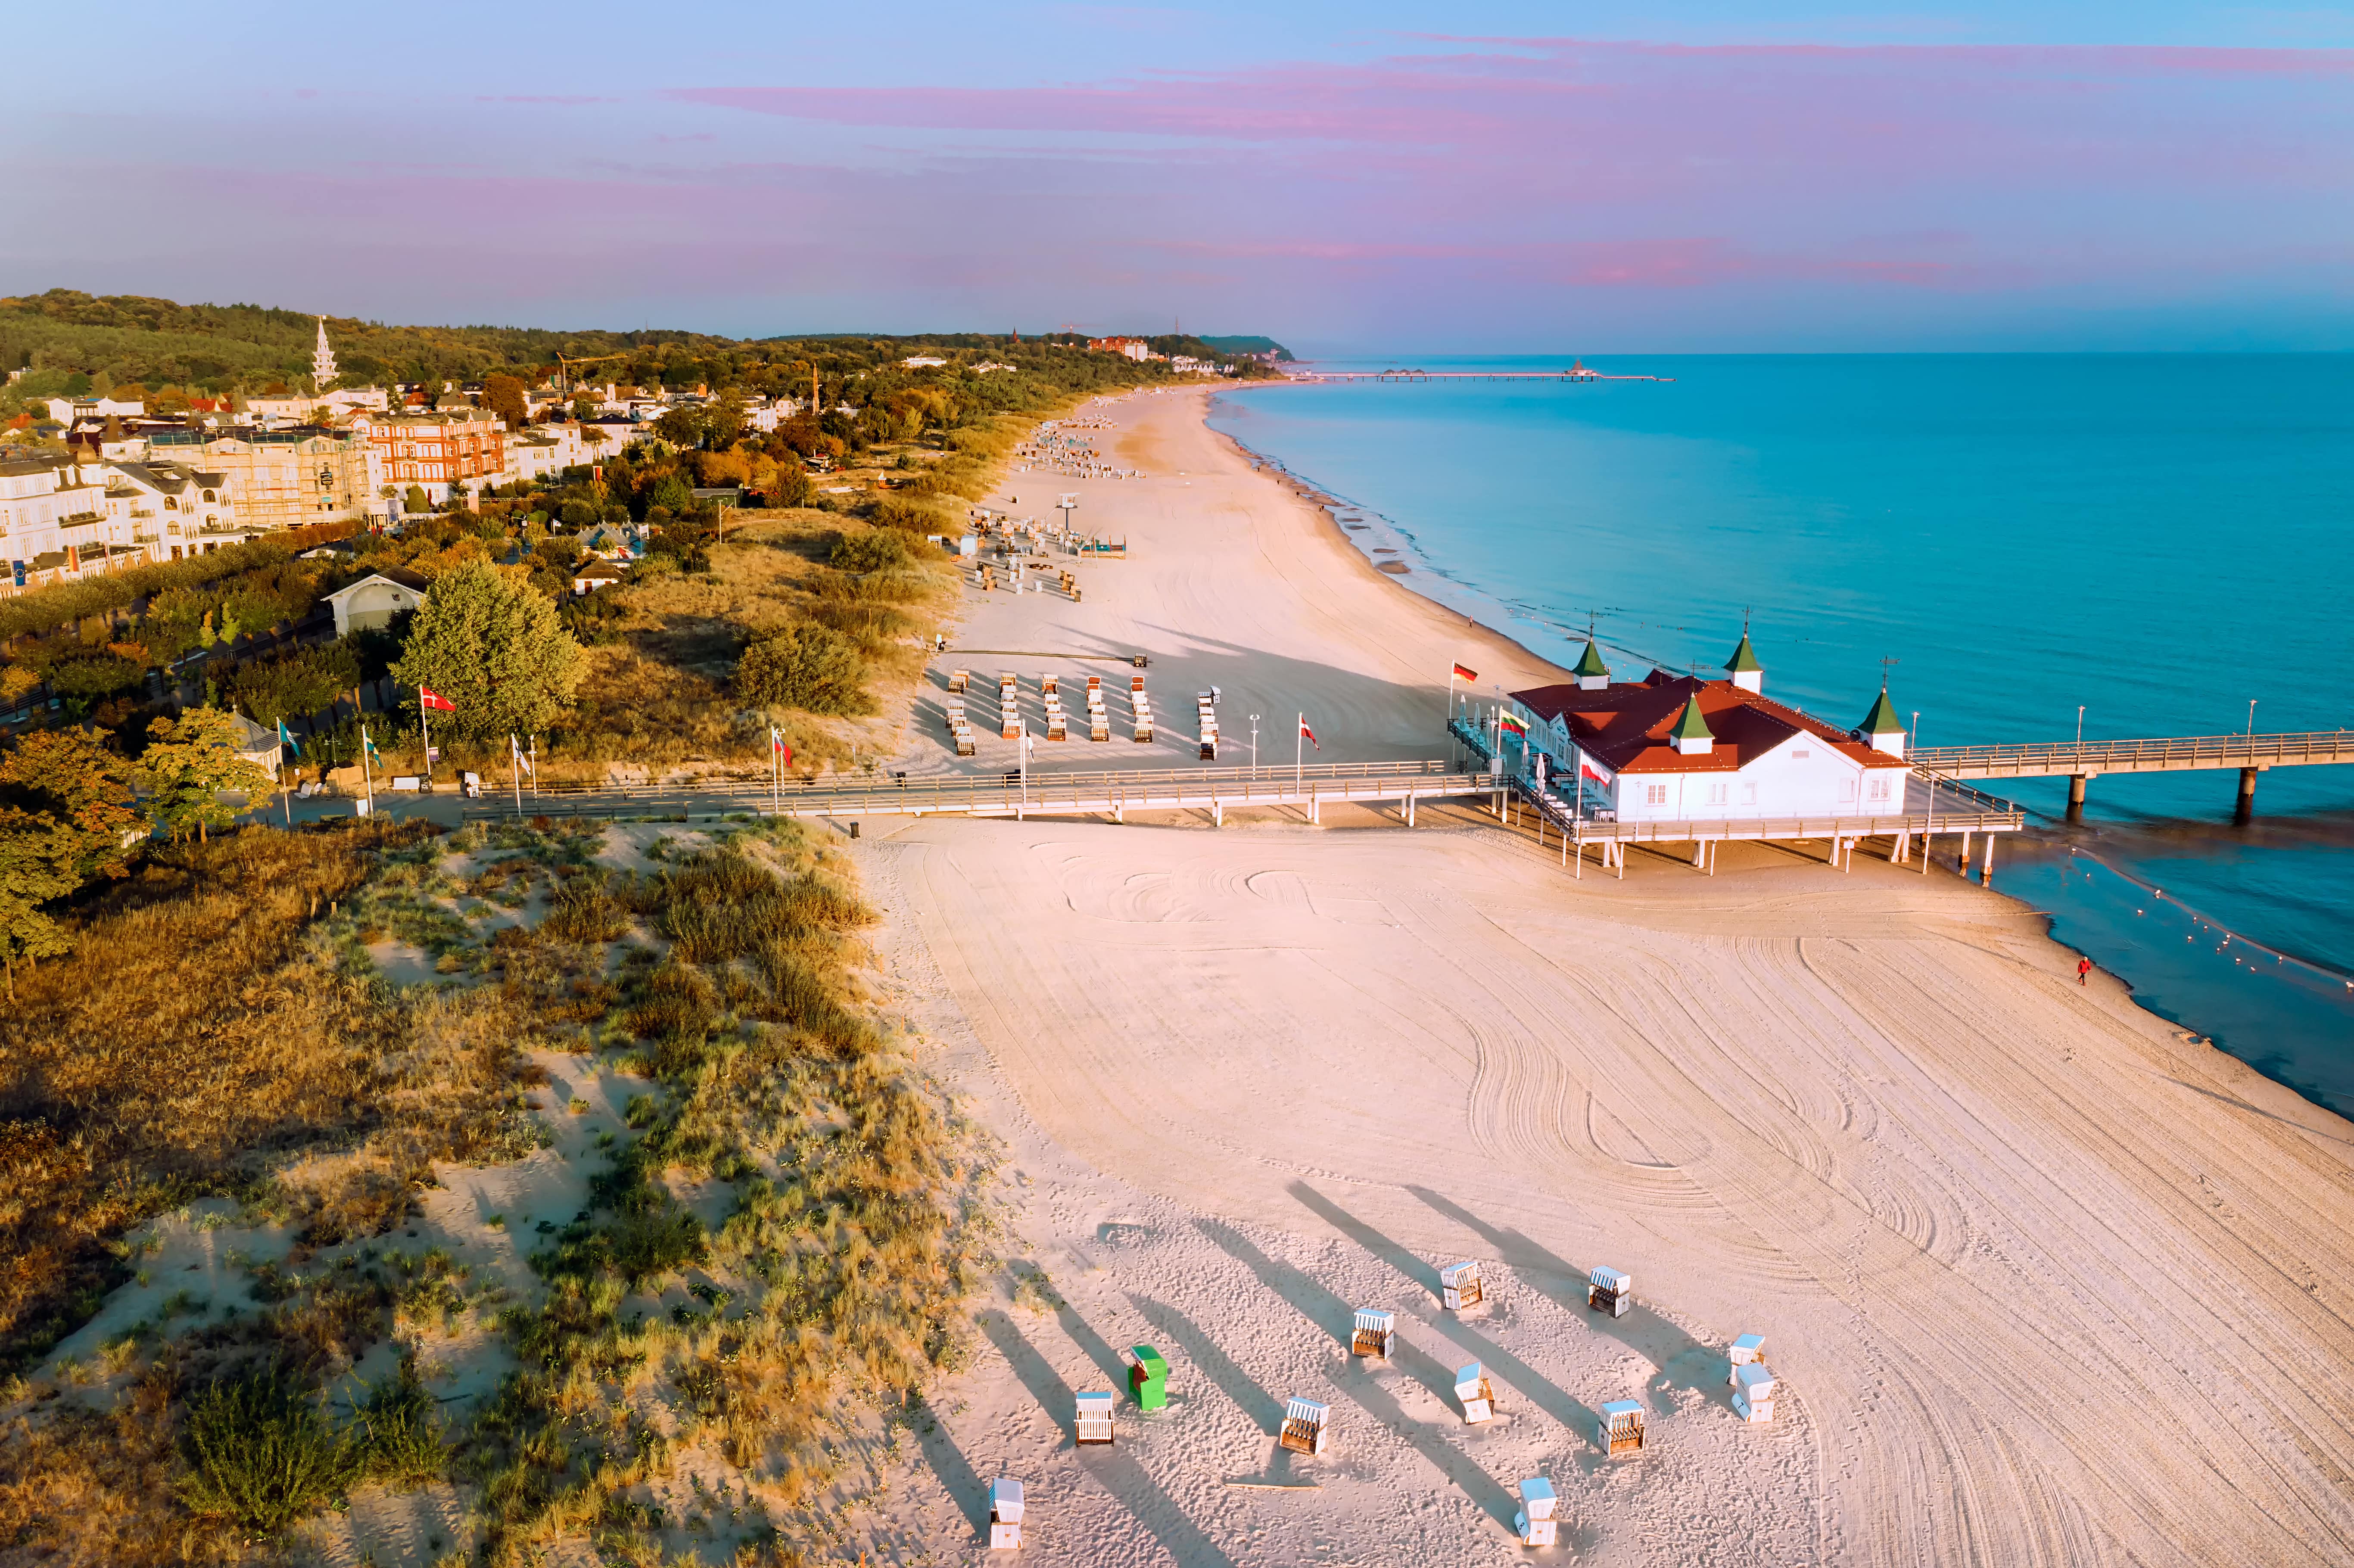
1217 814
1409 809
1927 853
1986 873
2247 802
1964 867
2077 796
1898 847
1700 855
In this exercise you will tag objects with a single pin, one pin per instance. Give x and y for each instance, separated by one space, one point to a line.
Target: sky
1371 178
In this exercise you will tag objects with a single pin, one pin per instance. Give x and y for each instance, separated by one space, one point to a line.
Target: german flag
1463 674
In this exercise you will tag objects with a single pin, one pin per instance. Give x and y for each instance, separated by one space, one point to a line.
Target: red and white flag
429 698
1461 673
776 743
1308 735
1586 769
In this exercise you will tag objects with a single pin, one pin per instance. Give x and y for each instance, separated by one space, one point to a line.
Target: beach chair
1753 1392
964 741
1148 1377
1460 1286
1307 1426
1136 683
1608 1290
1005 1514
1620 1430
1743 1351
1535 1523
1209 748
1095 685
1047 686
1471 1390
1098 725
1094 1424
1055 727
1375 1329
960 680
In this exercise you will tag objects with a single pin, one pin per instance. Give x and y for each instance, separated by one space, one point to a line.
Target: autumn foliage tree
190 762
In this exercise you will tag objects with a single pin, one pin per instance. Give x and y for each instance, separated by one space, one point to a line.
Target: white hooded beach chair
1095 1417
1004 1514
1753 1392
1460 1286
1748 1348
1307 1426
1621 1429
1535 1523
1608 1290
1375 1329
1478 1401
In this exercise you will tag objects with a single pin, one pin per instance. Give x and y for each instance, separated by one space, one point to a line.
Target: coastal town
1098 787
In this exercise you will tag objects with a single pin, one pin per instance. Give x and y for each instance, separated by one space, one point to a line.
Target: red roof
1624 725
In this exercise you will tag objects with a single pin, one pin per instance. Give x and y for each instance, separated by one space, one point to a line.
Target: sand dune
2046 1283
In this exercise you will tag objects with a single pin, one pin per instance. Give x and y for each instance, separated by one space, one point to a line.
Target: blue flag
286 739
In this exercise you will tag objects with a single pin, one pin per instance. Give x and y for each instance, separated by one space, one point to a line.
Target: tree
190 762
683 428
491 643
671 492
417 501
37 864
503 395
809 667
71 777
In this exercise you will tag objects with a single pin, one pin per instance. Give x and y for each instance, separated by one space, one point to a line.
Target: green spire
1590 663
1882 719
1744 658
1690 725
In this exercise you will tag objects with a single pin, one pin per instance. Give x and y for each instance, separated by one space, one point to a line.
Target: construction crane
564 370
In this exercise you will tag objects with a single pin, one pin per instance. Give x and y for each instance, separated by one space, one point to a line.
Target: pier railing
2049 759
1006 794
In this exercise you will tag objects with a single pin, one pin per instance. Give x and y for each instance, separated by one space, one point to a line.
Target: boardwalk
2080 761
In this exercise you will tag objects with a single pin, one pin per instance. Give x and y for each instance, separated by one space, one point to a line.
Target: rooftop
1630 726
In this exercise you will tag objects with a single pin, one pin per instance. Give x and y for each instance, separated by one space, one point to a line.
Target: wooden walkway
1114 793
2181 754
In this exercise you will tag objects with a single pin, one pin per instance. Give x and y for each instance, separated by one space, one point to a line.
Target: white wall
1803 777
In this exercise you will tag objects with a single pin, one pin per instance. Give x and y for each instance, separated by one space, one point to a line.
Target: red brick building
437 450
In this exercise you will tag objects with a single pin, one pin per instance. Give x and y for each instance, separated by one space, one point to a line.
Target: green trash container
1148 1377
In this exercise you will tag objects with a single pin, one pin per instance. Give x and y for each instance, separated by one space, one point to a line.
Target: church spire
322 361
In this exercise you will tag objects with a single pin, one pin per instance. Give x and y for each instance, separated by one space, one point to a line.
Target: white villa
1680 749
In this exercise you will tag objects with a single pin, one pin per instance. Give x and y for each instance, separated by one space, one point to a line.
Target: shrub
263 1452
584 911
807 667
96 677
400 1434
875 552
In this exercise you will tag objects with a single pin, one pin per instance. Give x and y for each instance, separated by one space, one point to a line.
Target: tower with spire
1881 730
1744 668
322 361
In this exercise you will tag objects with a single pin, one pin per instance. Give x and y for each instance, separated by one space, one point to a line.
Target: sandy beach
2045 1279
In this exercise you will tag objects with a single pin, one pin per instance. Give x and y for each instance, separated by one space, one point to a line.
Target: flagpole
368 774
535 766
425 733
514 770
1299 752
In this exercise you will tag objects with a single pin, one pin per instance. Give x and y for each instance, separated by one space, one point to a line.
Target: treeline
73 344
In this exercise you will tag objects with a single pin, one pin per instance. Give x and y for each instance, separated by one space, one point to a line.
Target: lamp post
1254 745
2252 721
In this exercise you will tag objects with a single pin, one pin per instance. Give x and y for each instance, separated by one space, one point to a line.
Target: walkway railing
2171 754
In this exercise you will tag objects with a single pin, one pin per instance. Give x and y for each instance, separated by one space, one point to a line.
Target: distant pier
1576 371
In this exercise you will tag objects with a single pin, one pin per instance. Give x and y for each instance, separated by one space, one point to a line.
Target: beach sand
2046 1280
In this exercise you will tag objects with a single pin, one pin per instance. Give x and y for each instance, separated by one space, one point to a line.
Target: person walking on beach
2083 968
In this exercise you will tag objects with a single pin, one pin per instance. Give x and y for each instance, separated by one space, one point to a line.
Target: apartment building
435 450
54 522
169 511
281 479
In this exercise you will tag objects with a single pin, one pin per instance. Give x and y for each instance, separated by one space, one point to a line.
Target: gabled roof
1589 663
1632 726
1744 658
1882 719
399 576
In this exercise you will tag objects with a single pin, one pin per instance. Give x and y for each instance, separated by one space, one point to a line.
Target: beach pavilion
1678 747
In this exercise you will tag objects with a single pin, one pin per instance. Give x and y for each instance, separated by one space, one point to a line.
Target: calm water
2160 538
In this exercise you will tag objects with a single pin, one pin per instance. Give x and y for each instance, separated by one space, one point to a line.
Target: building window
1716 792
1655 794
1880 788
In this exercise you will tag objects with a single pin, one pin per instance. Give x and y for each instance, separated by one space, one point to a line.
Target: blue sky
1368 177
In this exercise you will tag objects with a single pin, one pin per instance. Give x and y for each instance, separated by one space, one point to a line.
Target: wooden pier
2080 762
1577 373
1112 792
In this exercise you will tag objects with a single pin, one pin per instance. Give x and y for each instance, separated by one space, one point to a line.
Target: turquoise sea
2160 538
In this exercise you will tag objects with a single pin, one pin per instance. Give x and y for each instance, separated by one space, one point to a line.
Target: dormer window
209 496
171 505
